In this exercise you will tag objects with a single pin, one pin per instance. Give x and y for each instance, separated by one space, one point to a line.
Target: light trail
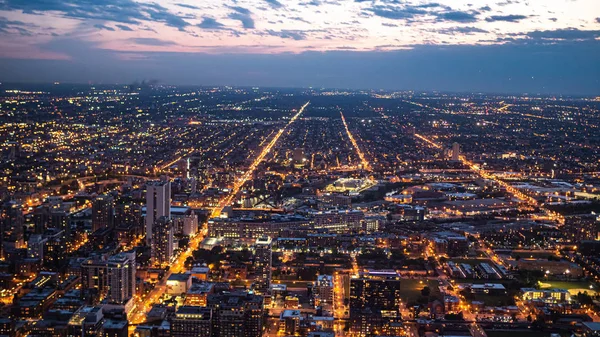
361 156
248 174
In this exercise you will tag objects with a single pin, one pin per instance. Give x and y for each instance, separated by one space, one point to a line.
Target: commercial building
250 229
192 321
178 284
546 295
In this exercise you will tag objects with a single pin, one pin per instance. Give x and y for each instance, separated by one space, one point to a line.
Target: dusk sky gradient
536 46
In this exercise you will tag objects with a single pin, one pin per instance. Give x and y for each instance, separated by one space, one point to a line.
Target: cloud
243 15
506 18
396 13
410 12
6 26
241 10
463 30
311 3
103 27
148 41
598 20
288 34
125 28
457 16
571 34
210 23
121 11
187 6
274 3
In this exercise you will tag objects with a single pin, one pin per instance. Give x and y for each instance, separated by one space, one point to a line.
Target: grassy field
410 289
572 287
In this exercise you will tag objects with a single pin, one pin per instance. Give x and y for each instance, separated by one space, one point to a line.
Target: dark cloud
103 27
410 12
122 11
187 6
210 23
243 15
6 26
241 10
463 30
485 8
598 20
506 18
565 34
397 13
457 16
288 34
125 28
311 3
274 3
151 41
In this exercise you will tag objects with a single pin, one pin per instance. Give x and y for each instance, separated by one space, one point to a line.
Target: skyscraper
158 204
103 212
162 241
456 152
263 260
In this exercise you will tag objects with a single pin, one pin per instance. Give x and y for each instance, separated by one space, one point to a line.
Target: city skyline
458 46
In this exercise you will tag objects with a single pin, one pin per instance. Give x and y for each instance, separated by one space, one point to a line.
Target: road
144 303
237 186
365 164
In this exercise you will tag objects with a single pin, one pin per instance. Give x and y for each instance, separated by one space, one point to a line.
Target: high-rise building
162 241
35 246
112 279
323 290
237 313
103 212
190 224
120 273
11 227
456 152
158 204
192 321
377 289
263 260
374 301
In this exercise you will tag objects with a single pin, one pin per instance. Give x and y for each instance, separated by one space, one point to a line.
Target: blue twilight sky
536 46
